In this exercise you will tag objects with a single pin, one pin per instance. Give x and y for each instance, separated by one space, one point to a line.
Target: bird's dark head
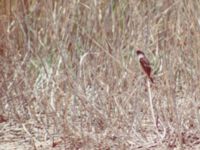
139 52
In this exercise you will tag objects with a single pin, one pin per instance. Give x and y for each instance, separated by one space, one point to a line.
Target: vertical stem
151 103
152 111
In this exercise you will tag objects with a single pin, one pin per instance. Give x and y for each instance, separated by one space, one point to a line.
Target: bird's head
139 52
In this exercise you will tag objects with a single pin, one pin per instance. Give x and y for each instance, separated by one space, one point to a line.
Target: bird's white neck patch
140 56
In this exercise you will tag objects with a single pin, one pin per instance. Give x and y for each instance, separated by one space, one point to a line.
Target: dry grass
69 76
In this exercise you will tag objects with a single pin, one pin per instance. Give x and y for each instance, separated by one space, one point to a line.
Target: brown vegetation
70 79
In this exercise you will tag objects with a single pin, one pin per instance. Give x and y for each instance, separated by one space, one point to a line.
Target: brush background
69 74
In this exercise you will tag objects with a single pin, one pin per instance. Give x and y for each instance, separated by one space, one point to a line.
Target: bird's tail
151 79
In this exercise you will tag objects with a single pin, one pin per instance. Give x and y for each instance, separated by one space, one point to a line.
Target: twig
151 103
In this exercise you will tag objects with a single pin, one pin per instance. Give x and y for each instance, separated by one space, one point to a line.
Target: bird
145 64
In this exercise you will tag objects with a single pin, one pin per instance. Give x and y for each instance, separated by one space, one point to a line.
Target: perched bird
144 62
